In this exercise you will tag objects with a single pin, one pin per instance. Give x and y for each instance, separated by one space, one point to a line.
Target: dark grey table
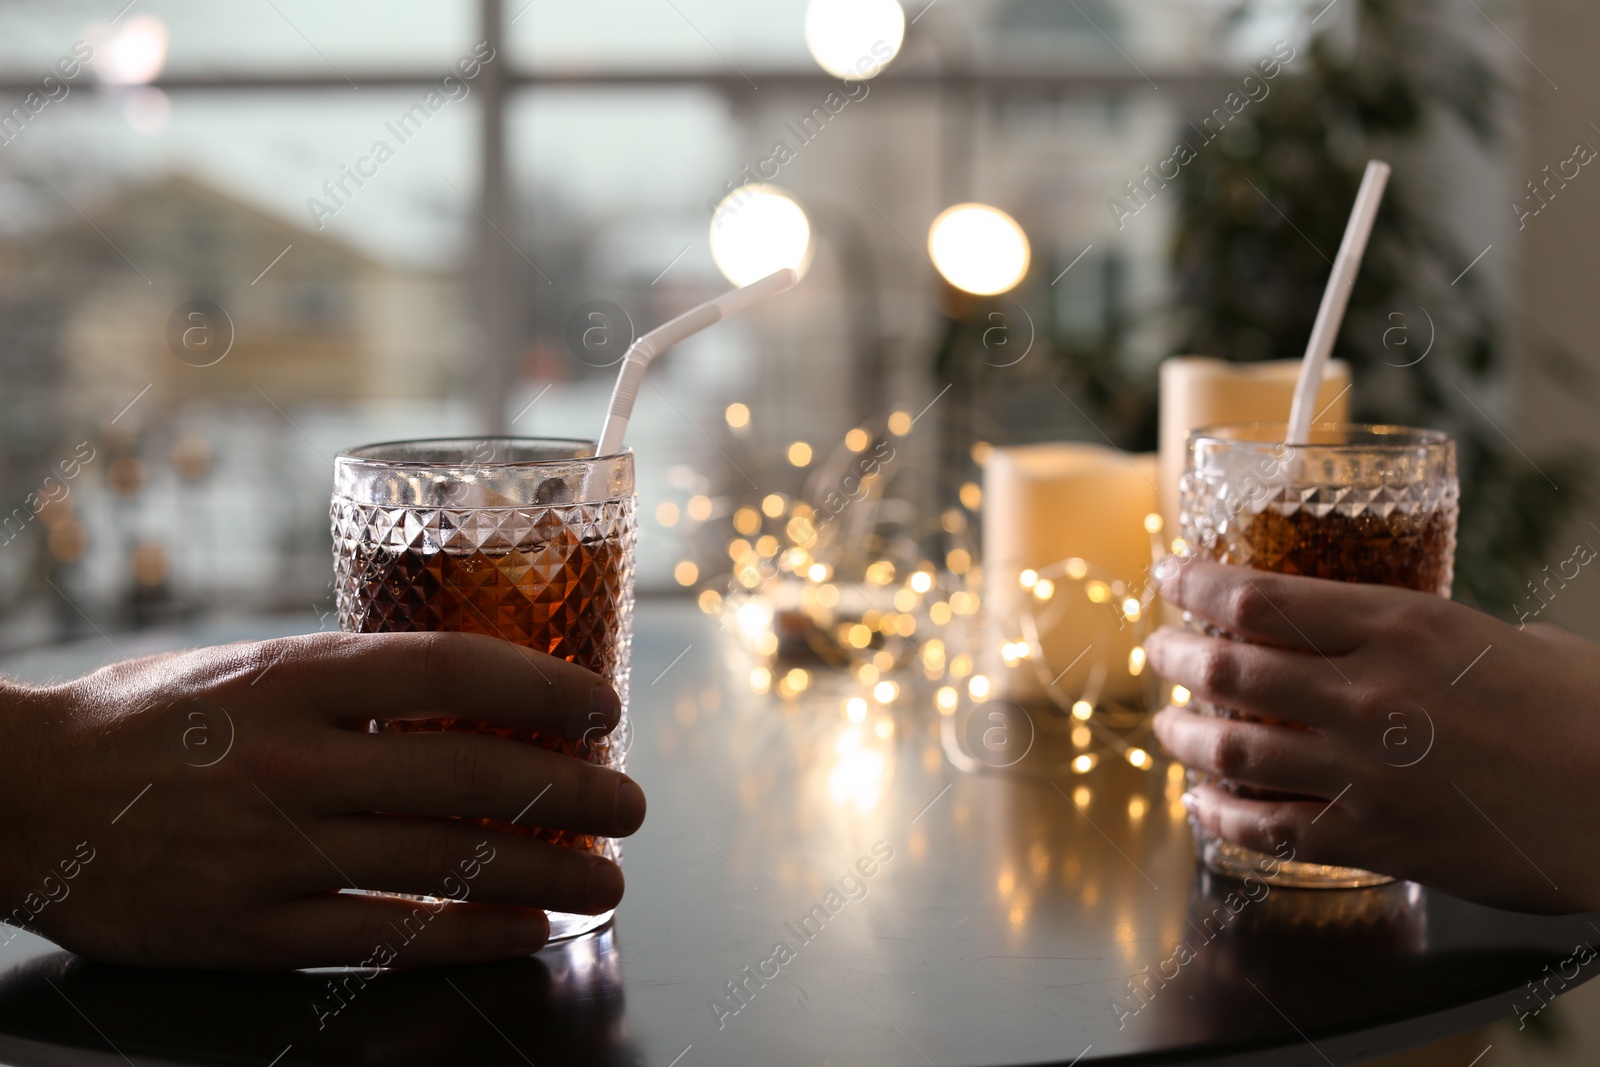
1002 922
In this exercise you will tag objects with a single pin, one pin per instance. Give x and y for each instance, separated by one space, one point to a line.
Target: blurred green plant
1261 212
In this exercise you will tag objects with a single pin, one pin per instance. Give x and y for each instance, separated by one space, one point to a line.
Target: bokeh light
131 54
758 229
979 249
854 38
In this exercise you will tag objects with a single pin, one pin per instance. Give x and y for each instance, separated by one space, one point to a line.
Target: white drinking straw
1335 298
663 337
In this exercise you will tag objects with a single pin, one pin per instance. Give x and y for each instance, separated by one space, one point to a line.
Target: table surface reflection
928 916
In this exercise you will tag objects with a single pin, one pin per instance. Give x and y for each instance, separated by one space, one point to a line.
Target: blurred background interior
213 278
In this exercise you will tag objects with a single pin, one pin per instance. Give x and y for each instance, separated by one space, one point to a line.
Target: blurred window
237 238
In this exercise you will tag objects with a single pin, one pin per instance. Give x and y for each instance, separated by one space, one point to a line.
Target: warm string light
878 640
1045 587
914 591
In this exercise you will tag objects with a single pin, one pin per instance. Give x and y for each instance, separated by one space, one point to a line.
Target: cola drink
524 540
553 593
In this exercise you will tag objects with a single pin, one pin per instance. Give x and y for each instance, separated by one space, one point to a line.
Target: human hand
133 842
1443 745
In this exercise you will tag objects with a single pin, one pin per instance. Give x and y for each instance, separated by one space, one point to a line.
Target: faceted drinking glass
528 540
1359 503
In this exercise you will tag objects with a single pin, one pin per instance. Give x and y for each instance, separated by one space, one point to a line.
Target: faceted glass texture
1359 504
1375 504
551 571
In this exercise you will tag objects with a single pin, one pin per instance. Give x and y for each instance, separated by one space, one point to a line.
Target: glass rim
363 455
1377 435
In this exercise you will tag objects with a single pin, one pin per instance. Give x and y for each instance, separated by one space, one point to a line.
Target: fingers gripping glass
1375 504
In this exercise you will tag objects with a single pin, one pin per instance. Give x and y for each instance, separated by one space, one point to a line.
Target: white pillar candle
1046 503
1199 391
